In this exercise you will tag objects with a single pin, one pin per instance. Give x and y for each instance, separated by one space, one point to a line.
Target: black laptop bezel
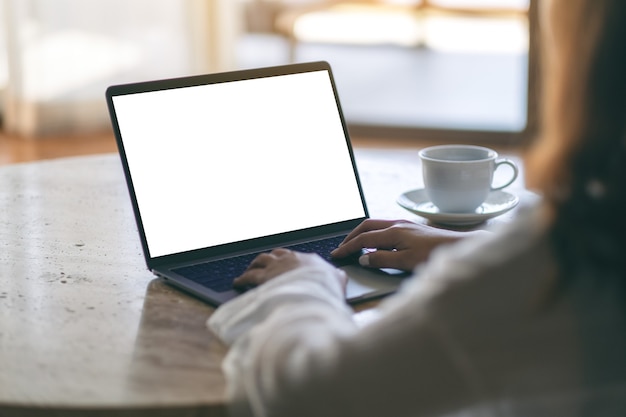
231 249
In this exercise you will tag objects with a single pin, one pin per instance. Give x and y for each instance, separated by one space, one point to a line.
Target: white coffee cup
459 178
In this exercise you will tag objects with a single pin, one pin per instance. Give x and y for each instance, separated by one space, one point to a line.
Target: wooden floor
17 149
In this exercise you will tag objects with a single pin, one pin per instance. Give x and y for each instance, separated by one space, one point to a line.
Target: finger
261 261
366 226
251 277
280 252
387 259
379 239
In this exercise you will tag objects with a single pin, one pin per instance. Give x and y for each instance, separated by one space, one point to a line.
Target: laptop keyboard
219 275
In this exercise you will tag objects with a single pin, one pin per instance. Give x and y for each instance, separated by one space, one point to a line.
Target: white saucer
497 203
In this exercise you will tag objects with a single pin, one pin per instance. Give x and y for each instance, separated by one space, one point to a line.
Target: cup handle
515 172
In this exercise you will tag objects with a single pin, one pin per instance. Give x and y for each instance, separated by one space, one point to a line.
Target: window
451 68
61 55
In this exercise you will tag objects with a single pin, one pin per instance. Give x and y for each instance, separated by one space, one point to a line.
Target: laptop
222 167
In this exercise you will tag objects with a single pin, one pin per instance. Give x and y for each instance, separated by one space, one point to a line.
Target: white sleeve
296 350
270 321
467 331
301 286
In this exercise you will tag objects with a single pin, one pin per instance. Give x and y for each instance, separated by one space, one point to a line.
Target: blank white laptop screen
226 162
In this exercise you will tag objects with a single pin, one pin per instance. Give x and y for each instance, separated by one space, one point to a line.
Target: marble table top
84 326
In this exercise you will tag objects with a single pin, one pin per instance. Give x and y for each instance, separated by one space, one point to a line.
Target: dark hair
580 162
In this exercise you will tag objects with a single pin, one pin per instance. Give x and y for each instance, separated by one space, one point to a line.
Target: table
85 329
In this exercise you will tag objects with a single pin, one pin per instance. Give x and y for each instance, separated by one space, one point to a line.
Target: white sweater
474 332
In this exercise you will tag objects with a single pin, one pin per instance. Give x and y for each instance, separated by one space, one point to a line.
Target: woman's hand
398 244
269 265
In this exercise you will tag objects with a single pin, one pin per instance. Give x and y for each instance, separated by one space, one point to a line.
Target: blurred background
408 67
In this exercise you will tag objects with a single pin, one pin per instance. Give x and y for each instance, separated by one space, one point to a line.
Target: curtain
62 54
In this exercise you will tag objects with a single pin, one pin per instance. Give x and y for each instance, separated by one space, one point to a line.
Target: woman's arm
297 351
